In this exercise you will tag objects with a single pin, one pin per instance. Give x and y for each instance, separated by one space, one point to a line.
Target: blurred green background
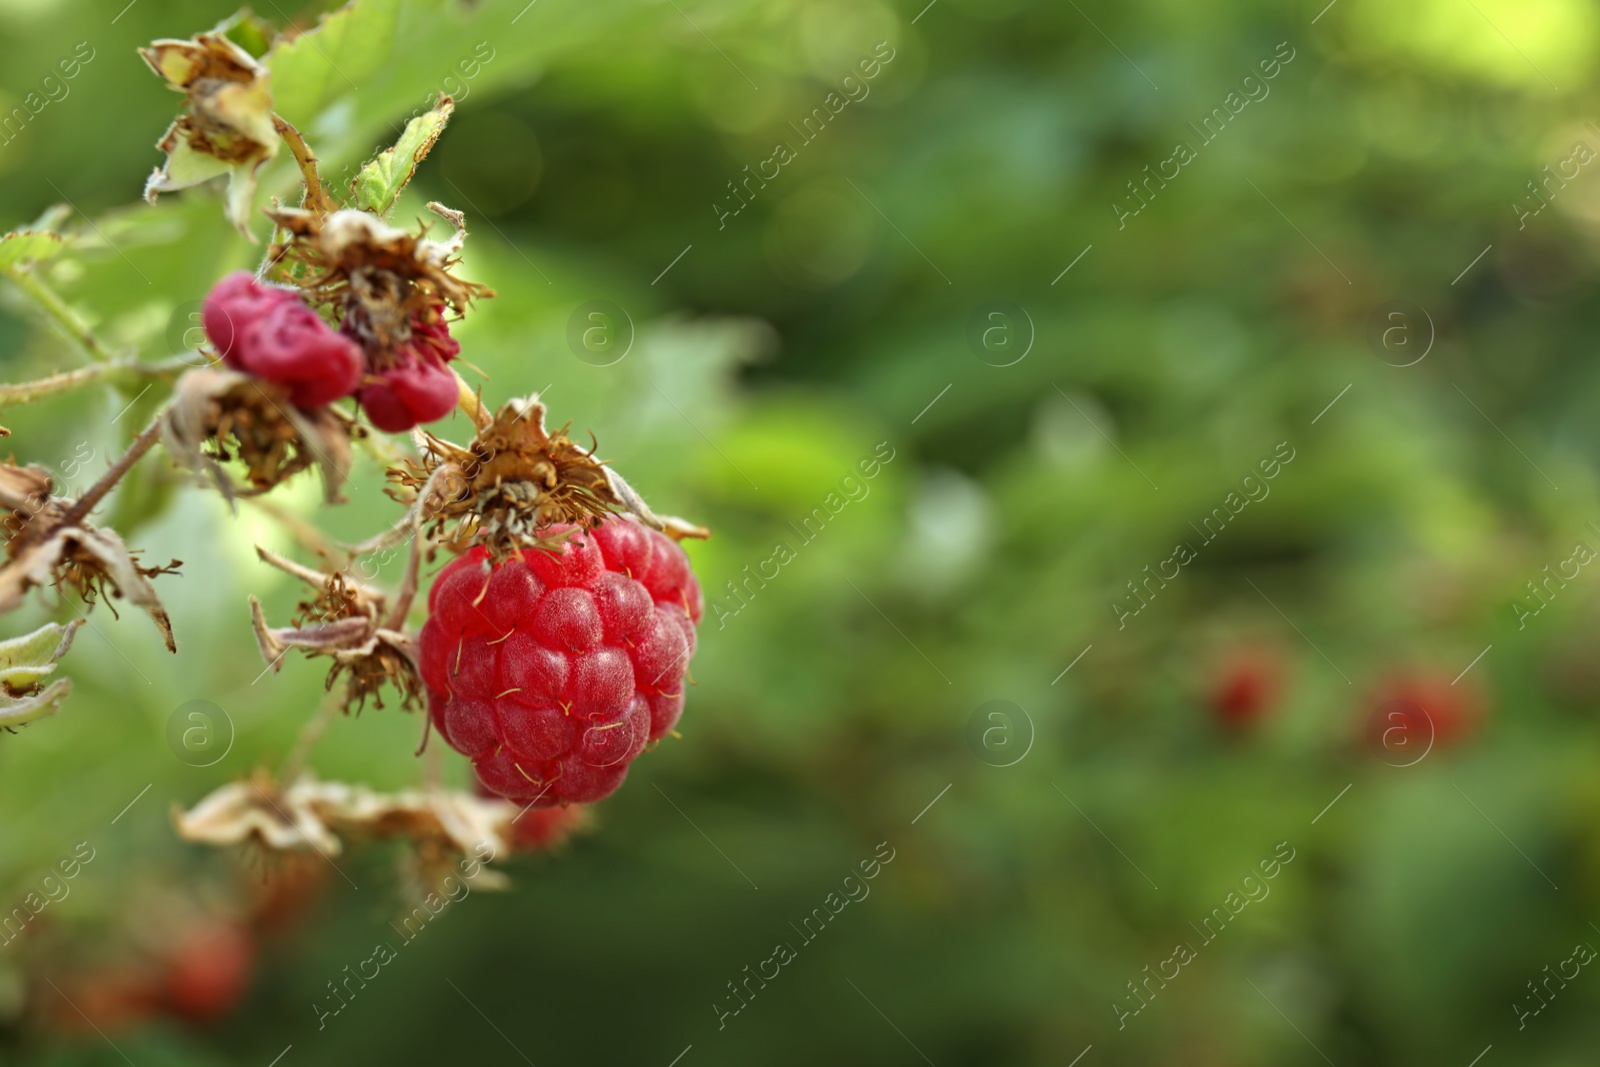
1319 651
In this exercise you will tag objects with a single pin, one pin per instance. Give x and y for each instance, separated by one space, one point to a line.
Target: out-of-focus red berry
1246 689
538 829
1411 713
209 970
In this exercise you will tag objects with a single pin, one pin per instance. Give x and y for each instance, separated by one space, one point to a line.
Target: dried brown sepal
219 415
379 277
256 812
442 825
226 127
312 814
48 543
352 624
513 482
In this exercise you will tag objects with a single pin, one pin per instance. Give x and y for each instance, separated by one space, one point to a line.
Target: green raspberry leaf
21 247
343 52
377 186
249 31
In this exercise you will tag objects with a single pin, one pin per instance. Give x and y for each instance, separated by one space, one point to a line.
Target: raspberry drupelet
417 384
271 333
553 670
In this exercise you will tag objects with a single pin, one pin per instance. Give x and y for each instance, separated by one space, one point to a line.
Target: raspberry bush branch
67 381
557 634
314 197
71 325
107 481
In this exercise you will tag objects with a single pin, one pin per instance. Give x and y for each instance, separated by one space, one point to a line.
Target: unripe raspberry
417 386
552 671
270 333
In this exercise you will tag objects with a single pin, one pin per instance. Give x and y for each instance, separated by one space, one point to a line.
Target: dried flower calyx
49 543
385 276
219 415
390 291
514 481
352 624
226 127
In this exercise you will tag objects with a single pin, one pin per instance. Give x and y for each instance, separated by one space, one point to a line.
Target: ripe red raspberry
1409 714
418 386
209 971
552 671
270 333
1246 689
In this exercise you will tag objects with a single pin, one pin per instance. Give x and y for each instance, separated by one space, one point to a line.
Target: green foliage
345 49
378 184
780 350
22 247
25 663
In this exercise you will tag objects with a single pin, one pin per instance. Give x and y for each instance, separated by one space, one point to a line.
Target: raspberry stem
141 444
473 406
66 381
316 197
308 534
310 733
75 328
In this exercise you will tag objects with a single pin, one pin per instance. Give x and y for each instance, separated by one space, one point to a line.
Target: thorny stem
383 449
295 763
308 534
432 766
110 478
27 392
52 304
472 405
316 198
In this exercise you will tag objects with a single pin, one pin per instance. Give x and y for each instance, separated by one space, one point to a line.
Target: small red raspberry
1246 689
1411 713
553 670
418 386
270 333
209 971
